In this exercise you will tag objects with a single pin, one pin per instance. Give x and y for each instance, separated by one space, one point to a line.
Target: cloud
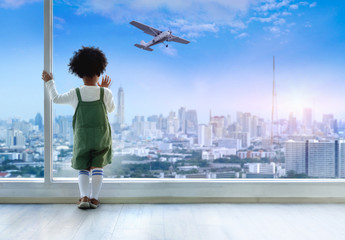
193 10
15 3
291 24
303 3
274 29
273 5
279 21
264 19
238 24
191 18
242 35
59 22
313 4
199 16
261 19
170 51
294 6
286 13
193 29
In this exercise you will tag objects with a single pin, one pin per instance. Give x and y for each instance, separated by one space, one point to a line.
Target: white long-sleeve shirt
87 93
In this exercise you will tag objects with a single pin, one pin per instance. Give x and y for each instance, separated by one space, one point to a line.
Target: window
21 95
204 110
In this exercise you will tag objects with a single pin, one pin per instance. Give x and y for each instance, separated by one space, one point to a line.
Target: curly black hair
88 62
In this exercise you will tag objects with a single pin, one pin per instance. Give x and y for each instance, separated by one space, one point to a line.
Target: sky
226 68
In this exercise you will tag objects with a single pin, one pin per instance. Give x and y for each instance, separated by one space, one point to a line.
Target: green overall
92 134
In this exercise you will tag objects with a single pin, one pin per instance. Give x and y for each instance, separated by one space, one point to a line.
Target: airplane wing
179 40
147 29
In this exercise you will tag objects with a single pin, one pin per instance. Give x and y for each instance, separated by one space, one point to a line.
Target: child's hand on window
46 76
106 82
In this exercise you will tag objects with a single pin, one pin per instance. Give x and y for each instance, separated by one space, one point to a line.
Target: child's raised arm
66 98
106 82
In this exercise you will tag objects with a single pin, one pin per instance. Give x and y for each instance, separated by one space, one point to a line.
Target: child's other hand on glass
46 76
106 81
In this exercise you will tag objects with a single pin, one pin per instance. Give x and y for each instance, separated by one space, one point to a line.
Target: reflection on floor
173 221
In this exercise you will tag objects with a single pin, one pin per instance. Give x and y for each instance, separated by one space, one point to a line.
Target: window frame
148 190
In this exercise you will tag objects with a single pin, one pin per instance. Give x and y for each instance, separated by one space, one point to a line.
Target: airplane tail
141 46
142 42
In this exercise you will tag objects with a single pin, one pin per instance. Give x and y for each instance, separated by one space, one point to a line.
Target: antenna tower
274 120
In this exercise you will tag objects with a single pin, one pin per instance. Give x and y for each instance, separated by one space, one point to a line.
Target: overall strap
78 94
102 94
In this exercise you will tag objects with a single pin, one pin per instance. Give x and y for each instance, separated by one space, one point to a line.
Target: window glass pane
221 106
21 91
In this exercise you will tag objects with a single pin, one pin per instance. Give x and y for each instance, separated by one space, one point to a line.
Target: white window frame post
48 113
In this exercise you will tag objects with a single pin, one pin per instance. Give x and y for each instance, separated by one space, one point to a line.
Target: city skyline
220 149
227 66
307 120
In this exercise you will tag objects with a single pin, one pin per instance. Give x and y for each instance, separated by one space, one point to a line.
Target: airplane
159 36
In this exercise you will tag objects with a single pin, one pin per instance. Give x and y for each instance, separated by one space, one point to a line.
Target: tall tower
120 118
39 121
182 119
308 118
274 120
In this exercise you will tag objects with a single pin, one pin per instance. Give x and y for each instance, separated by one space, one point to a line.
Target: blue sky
227 67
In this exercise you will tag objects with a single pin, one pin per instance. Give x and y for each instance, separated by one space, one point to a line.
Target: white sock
96 184
83 181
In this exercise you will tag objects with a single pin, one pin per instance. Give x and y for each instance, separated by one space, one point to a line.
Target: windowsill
22 180
64 190
174 180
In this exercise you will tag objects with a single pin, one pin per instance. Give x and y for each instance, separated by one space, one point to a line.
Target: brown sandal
84 203
94 203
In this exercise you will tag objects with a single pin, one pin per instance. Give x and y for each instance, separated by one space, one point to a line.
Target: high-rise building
261 128
246 122
308 118
63 127
191 122
173 123
205 135
160 122
182 119
254 126
39 121
295 156
120 116
327 123
340 155
218 126
292 125
227 121
138 126
239 116
335 126
243 136
153 118
235 127
15 139
322 159
327 119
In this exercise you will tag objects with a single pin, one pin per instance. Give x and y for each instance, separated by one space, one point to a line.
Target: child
92 134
